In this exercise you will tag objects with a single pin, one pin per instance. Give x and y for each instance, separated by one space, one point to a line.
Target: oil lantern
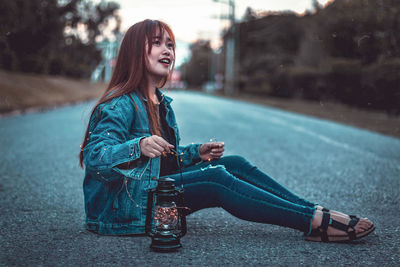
166 217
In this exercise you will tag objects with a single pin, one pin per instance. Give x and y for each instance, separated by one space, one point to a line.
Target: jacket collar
164 98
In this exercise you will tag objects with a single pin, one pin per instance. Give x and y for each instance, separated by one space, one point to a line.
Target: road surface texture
340 167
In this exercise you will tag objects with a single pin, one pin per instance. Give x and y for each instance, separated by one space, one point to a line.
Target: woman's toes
363 225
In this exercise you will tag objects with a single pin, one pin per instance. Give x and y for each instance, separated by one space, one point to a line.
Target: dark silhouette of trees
361 29
53 36
348 51
196 71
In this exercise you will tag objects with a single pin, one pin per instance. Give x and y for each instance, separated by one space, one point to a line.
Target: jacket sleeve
109 144
189 154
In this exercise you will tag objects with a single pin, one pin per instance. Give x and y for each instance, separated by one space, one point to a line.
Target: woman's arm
194 153
189 154
109 144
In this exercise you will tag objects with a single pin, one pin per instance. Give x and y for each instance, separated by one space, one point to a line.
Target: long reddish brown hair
131 68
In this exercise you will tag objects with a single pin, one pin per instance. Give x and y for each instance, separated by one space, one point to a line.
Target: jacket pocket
128 204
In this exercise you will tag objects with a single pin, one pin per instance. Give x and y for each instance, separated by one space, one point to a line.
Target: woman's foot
318 207
335 227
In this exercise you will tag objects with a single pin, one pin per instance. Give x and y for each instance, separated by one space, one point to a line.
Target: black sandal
320 234
328 210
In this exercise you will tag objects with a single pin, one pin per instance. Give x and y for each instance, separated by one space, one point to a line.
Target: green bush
381 86
344 80
257 83
347 81
300 82
281 84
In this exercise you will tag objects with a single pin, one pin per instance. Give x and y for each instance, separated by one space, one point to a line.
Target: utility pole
109 52
230 85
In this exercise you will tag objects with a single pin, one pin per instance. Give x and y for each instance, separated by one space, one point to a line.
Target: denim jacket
116 192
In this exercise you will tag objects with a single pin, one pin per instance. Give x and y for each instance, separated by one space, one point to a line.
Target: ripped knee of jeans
219 174
209 167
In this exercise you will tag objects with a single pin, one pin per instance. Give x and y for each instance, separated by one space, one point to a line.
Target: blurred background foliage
347 51
56 37
196 70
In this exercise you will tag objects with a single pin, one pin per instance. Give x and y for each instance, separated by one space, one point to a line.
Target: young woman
132 139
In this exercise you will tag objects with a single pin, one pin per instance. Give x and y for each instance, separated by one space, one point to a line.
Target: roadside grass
24 92
21 93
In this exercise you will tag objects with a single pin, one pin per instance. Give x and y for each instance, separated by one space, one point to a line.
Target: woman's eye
170 45
156 42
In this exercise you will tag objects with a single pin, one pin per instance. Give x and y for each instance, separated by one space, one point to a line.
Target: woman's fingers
151 155
162 143
216 144
212 150
154 146
208 147
217 150
218 155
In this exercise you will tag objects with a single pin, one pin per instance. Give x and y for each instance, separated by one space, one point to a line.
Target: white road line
300 129
283 119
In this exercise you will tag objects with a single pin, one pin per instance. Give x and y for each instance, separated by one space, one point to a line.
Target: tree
196 71
45 36
361 29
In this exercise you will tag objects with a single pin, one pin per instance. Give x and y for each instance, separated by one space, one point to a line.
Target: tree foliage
196 71
362 29
348 51
53 36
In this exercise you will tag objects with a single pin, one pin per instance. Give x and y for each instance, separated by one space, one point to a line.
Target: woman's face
161 56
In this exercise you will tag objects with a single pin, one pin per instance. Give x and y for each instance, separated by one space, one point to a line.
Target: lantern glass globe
166 217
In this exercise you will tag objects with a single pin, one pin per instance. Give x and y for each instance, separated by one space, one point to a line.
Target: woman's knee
235 161
218 174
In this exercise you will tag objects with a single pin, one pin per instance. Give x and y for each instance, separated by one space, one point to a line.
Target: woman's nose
166 51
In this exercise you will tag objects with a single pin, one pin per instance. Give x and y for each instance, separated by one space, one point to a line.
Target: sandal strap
352 235
339 225
324 236
353 222
326 218
328 221
345 227
325 209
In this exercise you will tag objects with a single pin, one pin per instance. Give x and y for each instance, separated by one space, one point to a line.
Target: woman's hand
211 151
154 146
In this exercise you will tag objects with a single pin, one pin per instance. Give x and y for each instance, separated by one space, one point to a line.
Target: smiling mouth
165 61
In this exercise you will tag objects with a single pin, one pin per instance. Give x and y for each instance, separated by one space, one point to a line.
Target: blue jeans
240 188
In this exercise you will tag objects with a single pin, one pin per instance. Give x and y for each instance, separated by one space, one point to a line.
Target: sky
191 20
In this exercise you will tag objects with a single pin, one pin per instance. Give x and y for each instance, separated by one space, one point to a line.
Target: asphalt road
340 167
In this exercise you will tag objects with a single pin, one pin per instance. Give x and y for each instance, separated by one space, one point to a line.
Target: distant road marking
321 137
282 122
284 117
